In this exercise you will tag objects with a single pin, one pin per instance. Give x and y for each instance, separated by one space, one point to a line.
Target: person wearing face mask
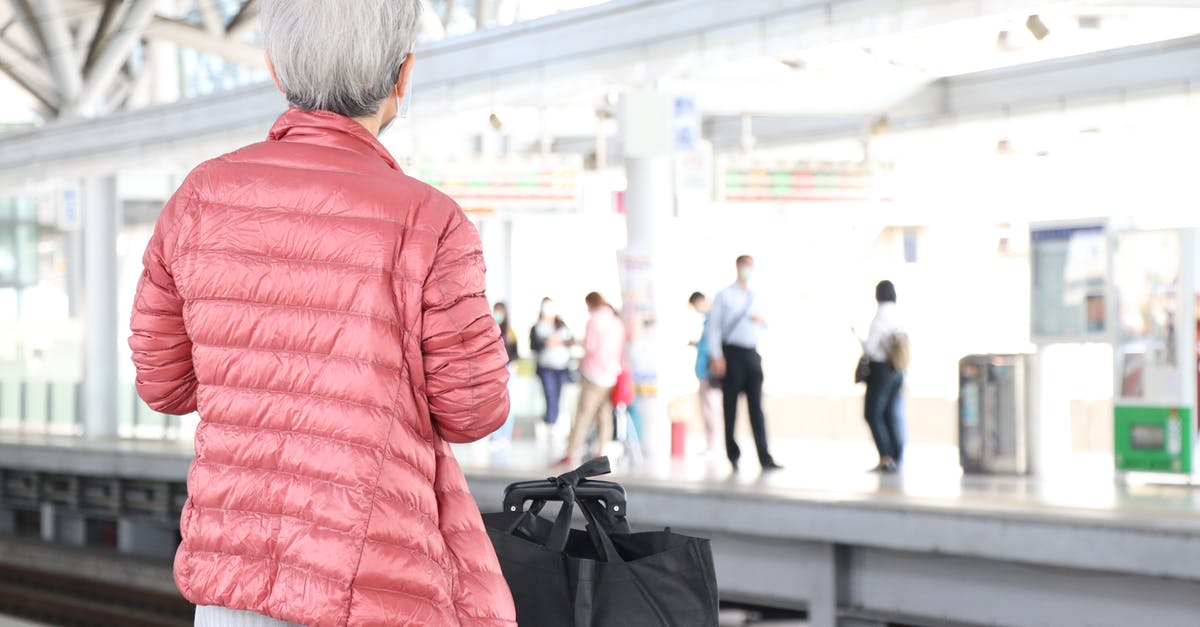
551 342
733 328
324 314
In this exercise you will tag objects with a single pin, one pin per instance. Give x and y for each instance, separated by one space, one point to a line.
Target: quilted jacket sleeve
162 351
466 373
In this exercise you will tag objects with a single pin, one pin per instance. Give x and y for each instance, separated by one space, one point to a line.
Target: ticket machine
1155 280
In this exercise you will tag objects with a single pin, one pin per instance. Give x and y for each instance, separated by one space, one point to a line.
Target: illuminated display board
800 184
483 186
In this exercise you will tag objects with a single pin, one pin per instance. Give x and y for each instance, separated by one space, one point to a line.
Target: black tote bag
602 576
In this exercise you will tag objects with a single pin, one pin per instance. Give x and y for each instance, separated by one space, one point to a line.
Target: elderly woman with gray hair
325 315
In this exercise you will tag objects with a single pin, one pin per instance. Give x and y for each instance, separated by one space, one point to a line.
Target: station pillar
101 217
646 133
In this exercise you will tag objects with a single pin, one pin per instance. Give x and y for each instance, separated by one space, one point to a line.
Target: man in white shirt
733 329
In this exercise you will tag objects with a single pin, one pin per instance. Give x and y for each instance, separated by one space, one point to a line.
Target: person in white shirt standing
734 325
886 348
603 356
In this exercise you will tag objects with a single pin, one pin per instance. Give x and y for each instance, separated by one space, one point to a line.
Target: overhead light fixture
1004 40
880 126
1089 22
798 65
1037 27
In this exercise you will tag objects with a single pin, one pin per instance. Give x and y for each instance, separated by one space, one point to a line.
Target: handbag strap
597 530
730 328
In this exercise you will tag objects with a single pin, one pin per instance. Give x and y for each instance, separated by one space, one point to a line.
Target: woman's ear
405 74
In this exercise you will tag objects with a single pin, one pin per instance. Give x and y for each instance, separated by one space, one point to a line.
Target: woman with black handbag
886 353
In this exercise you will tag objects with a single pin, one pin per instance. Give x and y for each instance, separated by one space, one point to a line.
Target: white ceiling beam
431 23
60 49
23 13
198 39
485 13
108 16
244 22
114 54
28 75
211 18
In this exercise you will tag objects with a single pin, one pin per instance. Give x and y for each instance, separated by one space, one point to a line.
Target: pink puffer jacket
325 314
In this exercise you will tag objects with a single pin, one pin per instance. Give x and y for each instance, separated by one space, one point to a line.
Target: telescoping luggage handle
607 492
566 489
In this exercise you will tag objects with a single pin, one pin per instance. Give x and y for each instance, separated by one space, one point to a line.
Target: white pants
214 616
713 415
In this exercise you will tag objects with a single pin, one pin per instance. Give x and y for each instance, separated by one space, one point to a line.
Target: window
910 244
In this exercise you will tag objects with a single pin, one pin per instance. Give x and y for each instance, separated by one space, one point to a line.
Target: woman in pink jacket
325 315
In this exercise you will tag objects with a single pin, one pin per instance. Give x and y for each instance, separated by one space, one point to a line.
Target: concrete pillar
145 539
63 527
1049 406
101 218
165 82
646 131
8 521
496 235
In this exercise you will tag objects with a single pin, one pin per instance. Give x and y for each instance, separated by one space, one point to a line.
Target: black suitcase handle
607 492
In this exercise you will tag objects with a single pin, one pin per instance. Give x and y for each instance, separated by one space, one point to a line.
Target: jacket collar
330 129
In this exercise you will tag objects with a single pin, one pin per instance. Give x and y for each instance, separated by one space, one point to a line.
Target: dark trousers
744 375
552 384
884 409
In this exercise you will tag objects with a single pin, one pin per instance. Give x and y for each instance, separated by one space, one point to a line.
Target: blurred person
733 328
551 342
603 357
325 315
500 312
886 348
711 411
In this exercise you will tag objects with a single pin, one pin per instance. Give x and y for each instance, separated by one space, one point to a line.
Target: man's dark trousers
744 375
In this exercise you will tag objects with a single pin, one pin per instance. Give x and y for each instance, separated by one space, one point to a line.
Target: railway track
66 601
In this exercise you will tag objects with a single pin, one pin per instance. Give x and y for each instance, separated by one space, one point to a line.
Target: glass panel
41 350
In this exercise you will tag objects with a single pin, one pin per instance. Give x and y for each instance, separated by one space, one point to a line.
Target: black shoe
770 466
890 468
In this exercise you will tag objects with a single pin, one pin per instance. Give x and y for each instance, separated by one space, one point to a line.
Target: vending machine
1155 278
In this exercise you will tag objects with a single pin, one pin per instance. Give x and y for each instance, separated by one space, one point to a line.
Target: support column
649 201
145 539
1049 406
100 307
496 236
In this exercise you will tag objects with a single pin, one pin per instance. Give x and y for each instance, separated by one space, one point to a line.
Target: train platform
928 546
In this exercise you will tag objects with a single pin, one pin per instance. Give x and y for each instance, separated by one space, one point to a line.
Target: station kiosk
1155 280
1070 314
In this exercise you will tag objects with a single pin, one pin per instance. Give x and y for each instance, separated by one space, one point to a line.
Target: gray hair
342 56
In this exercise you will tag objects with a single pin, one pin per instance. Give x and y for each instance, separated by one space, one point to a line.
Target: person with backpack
886 350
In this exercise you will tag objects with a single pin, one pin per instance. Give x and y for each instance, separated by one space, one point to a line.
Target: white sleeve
873 347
